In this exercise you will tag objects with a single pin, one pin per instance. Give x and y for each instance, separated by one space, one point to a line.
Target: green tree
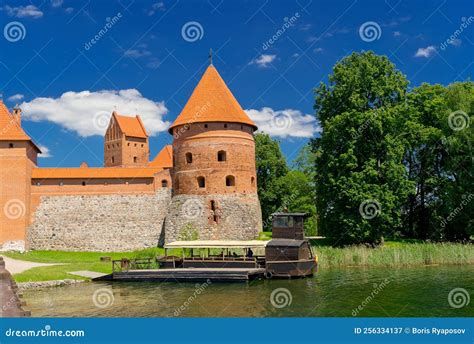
360 178
271 165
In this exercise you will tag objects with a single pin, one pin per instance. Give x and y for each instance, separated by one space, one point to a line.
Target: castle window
128 144
135 144
201 182
252 181
11 145
205 125
164 183
113 160
213 208
83 183
142 144
230 181
225 125
221 156
189 158
135 159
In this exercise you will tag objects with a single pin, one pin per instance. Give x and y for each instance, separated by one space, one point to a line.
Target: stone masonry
238 217
99 223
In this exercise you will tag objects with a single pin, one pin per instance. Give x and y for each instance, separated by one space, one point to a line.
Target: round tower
214 176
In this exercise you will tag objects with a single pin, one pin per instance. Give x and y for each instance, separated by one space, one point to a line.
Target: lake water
367 292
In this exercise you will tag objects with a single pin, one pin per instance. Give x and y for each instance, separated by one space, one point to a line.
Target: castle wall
114 222
238 217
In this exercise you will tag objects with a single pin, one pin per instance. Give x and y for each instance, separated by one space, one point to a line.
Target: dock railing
126 264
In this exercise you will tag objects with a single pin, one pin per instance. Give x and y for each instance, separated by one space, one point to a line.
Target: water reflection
420 291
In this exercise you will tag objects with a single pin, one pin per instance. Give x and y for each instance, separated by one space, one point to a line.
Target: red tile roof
212 101
93 172
164 158
10 129
131 126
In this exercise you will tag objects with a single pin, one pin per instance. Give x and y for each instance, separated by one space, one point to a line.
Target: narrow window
113 160
230 181
213 208
225 125
11 145
135 159
189 158
128 144
205 125
135 144
201 182
221 156
252 181
83 183
164 183
142 144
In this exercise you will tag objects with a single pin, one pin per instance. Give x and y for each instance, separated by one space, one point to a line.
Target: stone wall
236 217
98 223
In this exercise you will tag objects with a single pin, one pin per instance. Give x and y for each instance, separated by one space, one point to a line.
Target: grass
391 254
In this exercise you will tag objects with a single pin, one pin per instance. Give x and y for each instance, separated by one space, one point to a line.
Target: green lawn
391 254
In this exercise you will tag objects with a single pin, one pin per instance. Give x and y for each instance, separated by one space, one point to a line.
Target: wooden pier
190 275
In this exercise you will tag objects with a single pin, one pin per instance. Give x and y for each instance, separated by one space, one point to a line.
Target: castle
203 186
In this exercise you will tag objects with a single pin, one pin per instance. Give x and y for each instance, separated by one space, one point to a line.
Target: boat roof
285 243
217 244
291 214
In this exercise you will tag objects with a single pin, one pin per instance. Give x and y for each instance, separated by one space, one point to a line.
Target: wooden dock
190 275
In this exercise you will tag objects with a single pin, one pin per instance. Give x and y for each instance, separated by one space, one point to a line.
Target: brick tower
214 177
18 156
126 142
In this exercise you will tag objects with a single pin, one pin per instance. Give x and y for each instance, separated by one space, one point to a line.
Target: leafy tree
360 178
271 165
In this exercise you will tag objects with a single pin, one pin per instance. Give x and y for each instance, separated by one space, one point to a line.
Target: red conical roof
212 101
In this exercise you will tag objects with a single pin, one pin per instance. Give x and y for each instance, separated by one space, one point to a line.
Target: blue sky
152 54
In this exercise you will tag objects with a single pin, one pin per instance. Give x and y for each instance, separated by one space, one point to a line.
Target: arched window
189 158
135 159
221 156
164 183
83 183
230 181
113 160
201 182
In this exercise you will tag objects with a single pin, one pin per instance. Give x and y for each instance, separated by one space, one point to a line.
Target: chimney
17 114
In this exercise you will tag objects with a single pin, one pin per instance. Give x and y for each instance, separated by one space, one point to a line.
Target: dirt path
15 266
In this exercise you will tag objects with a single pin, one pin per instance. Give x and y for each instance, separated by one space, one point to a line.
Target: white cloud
456 42
57 3
425 52
29 11
157 6
16 97
88 113
318 50
284 123
45 152
136 53
263 60
69 10
397 34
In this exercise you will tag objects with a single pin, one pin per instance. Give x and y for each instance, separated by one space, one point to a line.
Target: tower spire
210 56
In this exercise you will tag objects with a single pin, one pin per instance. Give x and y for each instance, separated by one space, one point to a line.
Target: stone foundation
236 217
98 223
14 245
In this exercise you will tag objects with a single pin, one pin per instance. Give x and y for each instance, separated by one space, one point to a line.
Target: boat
288 255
